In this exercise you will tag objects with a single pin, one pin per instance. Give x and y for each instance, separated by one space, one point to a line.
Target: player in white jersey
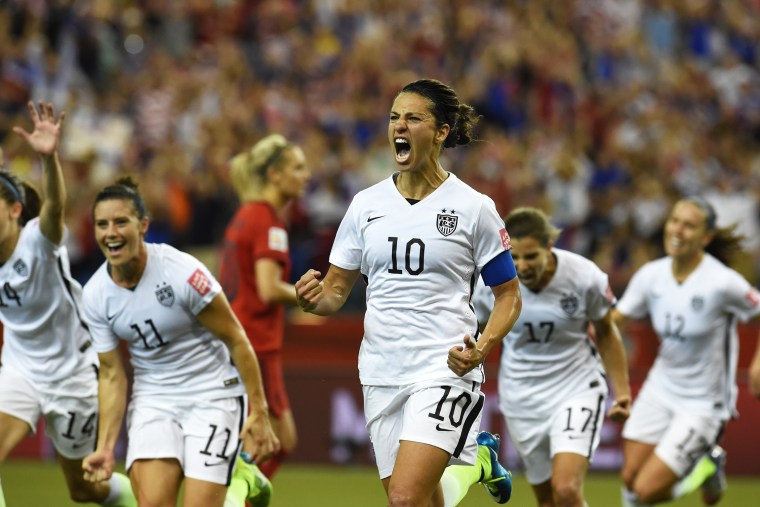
48 368
694 301
420 239
187 413
552 386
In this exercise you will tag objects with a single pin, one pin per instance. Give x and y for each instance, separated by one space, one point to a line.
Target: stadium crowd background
601 112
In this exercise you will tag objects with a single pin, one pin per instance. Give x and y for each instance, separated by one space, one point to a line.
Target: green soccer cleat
499 482
715 485
259 487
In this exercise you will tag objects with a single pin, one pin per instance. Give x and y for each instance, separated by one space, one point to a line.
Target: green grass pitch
40 484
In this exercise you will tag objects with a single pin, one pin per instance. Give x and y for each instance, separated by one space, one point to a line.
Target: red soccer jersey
255 232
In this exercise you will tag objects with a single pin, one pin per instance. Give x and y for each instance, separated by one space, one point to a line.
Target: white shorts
70 408
681 436
575 426
443 413
203 435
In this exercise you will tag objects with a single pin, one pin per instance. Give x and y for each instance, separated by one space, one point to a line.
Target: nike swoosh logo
81 444
438 427
369 219
576 437
222 462
110 318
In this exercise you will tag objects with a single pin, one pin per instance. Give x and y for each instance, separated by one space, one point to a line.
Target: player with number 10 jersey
421 262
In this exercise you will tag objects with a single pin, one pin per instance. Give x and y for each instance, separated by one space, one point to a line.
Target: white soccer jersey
44 336
548 355
696 322
172 355
420 262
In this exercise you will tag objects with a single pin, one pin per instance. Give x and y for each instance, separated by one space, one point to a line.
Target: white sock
630 499
120 491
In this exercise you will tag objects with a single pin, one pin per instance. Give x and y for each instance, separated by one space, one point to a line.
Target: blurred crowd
601 112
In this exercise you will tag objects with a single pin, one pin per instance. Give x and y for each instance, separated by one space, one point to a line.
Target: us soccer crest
165 295
697 302
20 267
569 303
446 224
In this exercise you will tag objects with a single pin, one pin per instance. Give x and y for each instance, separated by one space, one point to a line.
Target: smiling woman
193 367
49 369
694 300
421 357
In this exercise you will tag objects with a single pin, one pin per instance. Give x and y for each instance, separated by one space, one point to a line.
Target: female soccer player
188 408
552 387
48 368
694 301
255 267
420 238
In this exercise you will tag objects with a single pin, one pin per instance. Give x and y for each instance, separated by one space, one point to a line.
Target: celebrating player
694 301
419 239
552 386
255 267
188 409
49 369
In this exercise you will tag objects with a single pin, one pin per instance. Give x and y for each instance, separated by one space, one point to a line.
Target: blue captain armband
500 269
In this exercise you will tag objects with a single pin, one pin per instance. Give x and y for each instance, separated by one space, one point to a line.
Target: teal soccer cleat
259 487
715 485
499 482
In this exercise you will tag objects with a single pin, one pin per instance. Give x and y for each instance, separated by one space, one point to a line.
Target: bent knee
403 497
567 493
628 476
646 494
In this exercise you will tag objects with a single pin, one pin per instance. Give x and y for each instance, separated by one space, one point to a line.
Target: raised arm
218 318
506 310
112 402
44 139
615 363
327 296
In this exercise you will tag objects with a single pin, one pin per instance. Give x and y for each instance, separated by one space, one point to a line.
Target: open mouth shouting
403 149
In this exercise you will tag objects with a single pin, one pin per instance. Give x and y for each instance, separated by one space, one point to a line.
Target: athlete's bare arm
327 296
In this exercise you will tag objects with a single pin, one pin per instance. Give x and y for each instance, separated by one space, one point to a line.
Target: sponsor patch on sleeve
753 297
200 282
505 239
278 239
609 295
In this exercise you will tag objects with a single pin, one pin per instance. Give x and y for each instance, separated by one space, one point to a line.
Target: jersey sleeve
633 303
94 315
741 298
599 298
38 241
490 237
197 286
270 240
348 246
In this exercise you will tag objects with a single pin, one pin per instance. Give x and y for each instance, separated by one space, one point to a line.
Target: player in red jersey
255 266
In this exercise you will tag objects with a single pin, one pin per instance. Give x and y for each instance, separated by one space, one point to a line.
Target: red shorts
270 364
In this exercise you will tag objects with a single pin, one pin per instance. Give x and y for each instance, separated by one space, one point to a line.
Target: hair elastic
9 184
273 157
705 206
